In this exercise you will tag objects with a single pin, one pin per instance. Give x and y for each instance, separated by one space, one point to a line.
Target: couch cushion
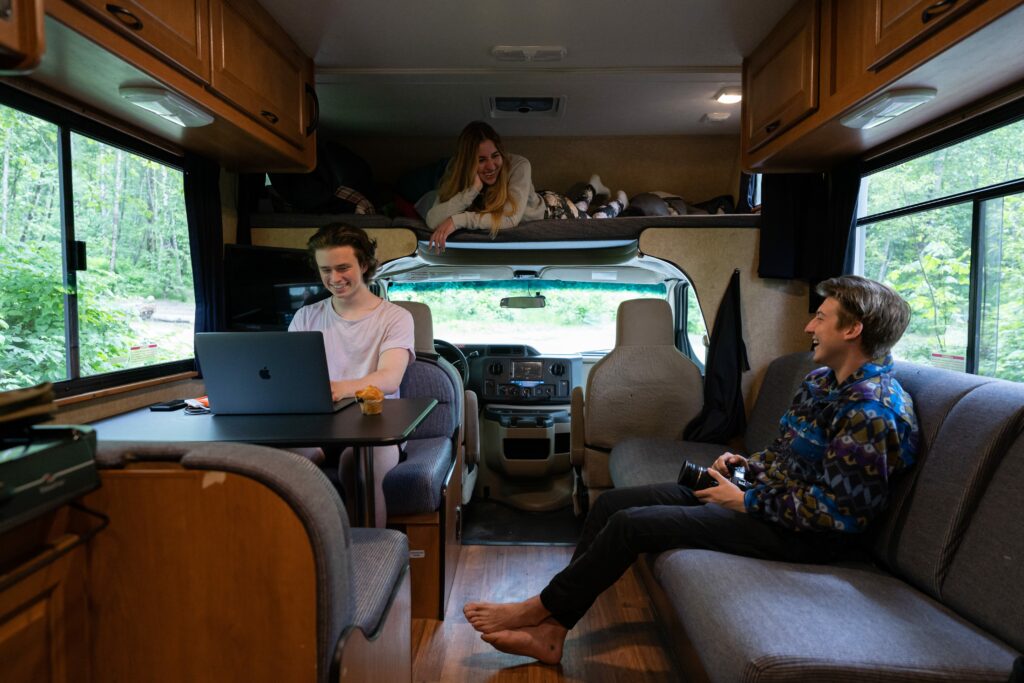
648 460
379 556
414 485
968 446
755 620
935 392
985 581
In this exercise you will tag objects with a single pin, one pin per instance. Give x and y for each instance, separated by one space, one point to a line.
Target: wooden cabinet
21 35
44 633
251 67
894 26
781 76
258 68
177 30
966 50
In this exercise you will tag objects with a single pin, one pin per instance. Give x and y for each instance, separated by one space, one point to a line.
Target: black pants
626 522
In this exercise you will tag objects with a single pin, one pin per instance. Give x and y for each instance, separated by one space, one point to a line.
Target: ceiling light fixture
730 95
167 105
887 106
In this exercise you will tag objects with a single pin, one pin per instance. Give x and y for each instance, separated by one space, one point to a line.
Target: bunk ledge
938 597
603 229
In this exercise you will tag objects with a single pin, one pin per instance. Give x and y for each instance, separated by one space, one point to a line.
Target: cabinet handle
269 116
314 120
125 17
771 127
937 10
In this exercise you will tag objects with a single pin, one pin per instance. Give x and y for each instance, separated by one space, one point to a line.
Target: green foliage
32 320
129 211
926 256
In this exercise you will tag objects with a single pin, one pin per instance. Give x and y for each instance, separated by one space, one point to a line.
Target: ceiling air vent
529 53
518 107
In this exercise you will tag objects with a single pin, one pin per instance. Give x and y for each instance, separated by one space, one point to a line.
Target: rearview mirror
537 301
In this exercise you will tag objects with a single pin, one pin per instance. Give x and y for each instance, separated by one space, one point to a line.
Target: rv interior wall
774 311
695 167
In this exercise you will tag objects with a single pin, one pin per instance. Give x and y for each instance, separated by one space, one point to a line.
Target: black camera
696 477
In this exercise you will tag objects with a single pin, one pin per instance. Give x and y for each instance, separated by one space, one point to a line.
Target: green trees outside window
133 305
946 230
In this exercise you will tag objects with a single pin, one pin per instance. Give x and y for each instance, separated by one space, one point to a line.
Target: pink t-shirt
354 346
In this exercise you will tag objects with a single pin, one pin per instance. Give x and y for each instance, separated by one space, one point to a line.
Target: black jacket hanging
723 415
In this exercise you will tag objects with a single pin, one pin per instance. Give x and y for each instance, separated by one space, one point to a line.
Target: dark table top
346 427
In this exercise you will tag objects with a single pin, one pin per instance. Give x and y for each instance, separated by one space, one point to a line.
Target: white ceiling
424 67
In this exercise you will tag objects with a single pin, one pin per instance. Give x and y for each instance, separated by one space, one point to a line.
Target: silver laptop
251 373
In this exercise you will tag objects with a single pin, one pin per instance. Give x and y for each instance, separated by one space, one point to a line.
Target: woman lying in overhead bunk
486 189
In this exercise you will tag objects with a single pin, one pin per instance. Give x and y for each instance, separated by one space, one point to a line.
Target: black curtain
206 239
250 185
806 223
723 415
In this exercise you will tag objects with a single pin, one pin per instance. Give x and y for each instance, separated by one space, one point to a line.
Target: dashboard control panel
525 379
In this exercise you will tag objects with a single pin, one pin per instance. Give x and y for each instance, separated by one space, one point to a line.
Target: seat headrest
644 322
423 324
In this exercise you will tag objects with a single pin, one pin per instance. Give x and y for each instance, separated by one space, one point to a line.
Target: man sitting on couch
850 428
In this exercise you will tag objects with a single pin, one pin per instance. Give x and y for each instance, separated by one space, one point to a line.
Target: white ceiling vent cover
542 107
529 53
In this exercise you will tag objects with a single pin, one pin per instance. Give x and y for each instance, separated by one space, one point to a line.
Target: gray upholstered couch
942 597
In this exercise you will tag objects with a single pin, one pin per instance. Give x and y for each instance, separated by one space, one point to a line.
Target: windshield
578 316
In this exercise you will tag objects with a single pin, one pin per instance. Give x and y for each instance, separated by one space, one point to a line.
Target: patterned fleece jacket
840 445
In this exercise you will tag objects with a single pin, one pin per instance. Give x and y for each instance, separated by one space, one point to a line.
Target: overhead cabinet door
258 68
895 26
781 76
175 29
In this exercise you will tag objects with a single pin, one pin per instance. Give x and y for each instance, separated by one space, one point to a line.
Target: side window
946 230
131 303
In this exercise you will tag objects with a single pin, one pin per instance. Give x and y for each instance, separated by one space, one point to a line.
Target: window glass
577 317
988 159
136 301
1001 338
695 328
32 342
917 222
926 257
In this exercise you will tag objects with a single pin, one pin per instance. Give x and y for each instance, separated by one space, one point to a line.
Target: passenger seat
644 387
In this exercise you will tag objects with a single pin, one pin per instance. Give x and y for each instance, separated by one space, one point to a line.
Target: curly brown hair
341 235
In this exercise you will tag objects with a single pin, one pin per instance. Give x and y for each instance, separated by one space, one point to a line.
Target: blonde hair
495 199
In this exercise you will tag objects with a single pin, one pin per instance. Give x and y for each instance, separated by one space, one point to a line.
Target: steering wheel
454 355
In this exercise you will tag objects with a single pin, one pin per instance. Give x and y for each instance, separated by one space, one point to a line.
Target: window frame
68 122
997 118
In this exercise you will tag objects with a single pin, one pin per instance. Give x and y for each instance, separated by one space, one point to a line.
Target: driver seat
424 491
644 386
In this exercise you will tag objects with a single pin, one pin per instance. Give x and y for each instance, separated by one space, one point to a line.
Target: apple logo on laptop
265 373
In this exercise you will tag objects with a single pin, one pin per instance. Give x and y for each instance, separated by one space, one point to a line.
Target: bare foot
543 642
491 617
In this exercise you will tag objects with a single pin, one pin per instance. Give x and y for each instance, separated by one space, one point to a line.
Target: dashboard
517 374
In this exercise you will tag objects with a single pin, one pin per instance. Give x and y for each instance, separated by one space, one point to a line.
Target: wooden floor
618 639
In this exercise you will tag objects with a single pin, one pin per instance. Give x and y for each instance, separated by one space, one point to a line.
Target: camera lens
695 477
